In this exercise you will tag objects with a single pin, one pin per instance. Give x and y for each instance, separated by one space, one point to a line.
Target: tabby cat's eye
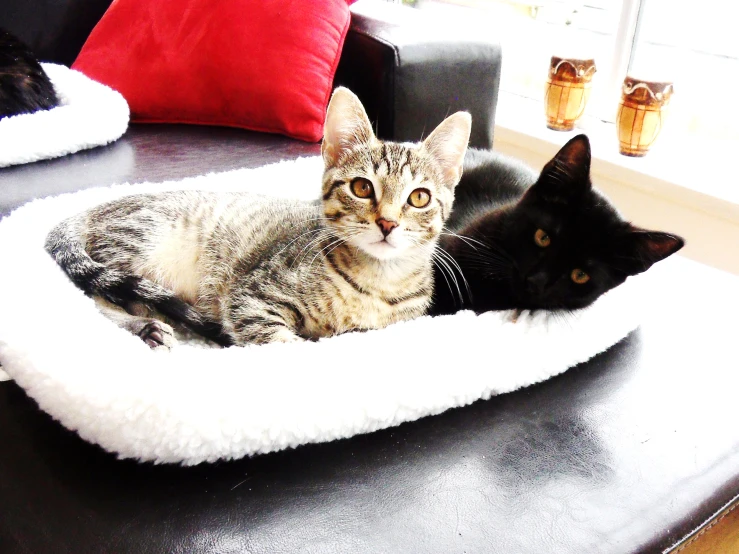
419 198
541 238
362 188
579 276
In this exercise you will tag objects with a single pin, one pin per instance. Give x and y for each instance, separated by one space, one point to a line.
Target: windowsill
683 171
683 186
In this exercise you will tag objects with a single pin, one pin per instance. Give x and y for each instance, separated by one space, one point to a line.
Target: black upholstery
54 29
148 153
411 75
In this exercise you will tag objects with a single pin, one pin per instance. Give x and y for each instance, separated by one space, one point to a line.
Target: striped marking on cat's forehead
394 159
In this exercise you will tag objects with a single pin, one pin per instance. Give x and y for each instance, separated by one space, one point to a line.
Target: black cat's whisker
500 253
489 255
491 248
561 315
486 261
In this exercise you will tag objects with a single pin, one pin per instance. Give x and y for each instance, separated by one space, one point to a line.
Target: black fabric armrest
410 72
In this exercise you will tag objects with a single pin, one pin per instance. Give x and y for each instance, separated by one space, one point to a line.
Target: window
696 46
691 44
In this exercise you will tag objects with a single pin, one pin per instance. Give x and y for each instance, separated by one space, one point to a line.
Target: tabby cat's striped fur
242 268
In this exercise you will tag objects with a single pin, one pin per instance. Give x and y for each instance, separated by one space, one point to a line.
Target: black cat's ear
567 175
638 249
347 126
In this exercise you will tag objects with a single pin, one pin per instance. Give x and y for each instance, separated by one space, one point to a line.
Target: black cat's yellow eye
362 188
579 276
419 198
541 238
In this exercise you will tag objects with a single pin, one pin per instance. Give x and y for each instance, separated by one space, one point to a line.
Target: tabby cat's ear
567 175
347 126
447 144
638 249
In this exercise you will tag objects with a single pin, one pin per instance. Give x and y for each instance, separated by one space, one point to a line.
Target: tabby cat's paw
158 335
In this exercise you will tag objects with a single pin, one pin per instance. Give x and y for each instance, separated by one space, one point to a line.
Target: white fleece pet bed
195 404
91 114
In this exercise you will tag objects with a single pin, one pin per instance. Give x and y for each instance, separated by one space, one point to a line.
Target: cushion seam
706 529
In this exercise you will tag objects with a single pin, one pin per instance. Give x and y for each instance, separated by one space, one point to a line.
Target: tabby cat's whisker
328 234
455 264
338 242
468 240
341 243
441 270
451 274
318 219
298 237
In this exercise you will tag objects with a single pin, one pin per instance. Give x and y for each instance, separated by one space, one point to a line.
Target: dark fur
24 86
500 204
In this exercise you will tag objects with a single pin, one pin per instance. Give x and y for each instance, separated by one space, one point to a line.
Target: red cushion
265 65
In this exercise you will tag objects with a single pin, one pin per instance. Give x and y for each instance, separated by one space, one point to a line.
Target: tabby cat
241 268
526 241
24 86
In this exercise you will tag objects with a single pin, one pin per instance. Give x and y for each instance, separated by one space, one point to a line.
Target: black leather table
626 453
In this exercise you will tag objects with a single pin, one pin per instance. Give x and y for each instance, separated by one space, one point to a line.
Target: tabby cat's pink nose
386 225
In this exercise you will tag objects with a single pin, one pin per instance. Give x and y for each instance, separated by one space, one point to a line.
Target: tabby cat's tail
64 243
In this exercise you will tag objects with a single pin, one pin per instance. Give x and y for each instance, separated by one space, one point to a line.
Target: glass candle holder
641 113
567 91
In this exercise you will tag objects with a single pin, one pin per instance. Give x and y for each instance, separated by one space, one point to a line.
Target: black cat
529 241
24 86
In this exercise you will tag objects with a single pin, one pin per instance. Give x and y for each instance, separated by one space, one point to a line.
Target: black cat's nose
386 225
536 282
